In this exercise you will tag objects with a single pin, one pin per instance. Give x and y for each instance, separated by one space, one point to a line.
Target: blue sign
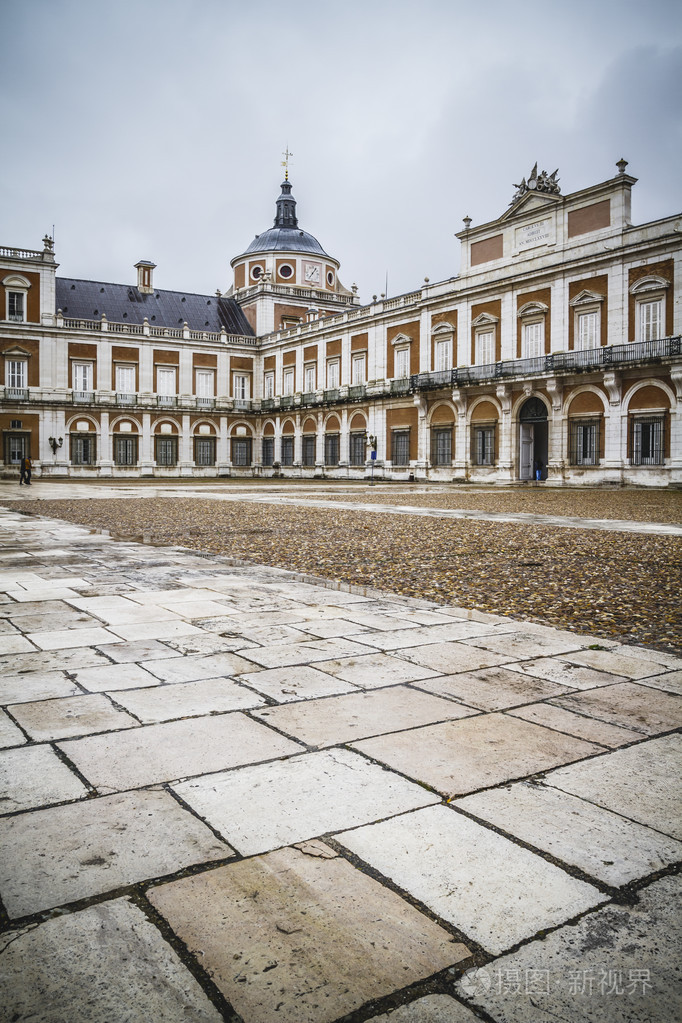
373 456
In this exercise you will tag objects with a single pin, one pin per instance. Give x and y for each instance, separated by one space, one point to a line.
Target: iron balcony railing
549 365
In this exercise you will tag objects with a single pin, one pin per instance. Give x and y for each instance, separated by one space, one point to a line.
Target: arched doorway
533 439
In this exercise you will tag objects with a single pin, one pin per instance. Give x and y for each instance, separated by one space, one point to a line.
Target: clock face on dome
311 273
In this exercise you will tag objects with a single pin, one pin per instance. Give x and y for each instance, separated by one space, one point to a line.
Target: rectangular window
269 385
485 347
241 451
309 448
268 450
125 450
241 386
165 381
15 306
17 446
357 448
533 340
358 369
125 380
484 445
309 378
204 450
400 447
651 320
287 450
82 449
647 441
16 373
331 449
166 451
443 355
441 446
402 363
584 440
333 371
205 379
82 376
289 375
588 331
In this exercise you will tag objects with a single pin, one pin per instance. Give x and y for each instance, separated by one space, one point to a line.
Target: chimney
145 269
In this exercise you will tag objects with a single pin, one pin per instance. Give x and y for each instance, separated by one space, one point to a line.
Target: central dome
285 235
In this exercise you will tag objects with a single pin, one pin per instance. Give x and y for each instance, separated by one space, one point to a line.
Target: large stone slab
295 938
343 718
492 688
299 682
671 682
177 749
374 670
105 964
471 876
646 710
566 673
621 964
525 643
431 1009
62 639
582 727
618 662
192 668
281 656
270 805
601 843
450 658
187 699
10 735
67 853
35 776
75 715
60 660
110 677
457 757
36 685
617 781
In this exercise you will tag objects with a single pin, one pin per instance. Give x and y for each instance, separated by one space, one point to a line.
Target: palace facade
555 349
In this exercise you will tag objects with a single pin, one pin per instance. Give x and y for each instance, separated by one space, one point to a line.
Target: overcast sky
153 129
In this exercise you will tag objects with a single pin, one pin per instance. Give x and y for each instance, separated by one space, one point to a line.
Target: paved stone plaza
234 793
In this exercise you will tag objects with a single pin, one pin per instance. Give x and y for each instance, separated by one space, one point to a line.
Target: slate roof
286 239
123 303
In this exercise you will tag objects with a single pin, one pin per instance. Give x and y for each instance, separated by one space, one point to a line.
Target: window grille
647 441
484 445
584 442
441 446
166 451
287 450
241 451
125 450
268 450
357 448
204 450
309 449
82 449
400 447
16 306
331 449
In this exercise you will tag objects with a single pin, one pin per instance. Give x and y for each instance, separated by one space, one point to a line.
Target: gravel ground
632 505
608 584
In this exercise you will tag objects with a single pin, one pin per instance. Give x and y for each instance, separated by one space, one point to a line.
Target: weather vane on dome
285 162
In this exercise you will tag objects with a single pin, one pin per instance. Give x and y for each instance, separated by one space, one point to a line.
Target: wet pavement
234 793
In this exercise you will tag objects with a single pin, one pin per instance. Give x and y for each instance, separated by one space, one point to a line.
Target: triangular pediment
530 202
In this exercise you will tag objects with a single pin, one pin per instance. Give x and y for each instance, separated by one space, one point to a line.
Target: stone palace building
557 347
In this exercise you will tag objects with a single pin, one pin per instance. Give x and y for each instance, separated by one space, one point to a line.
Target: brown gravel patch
608 584
627 505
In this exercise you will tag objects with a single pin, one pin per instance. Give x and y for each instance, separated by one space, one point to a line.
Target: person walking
25 473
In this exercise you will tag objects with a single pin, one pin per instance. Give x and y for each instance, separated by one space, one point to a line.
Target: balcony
242 404
167 400
331 394
356 392
124 398
401 385
16 393
205 403
83 397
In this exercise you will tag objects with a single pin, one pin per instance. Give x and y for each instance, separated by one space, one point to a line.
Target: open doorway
533 439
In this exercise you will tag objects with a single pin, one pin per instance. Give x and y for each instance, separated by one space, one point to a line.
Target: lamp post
55 444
